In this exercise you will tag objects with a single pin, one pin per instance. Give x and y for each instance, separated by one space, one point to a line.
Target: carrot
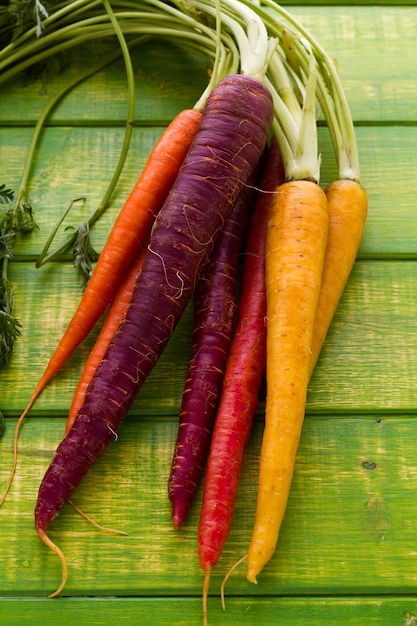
295 247
114 316
242 382
347 203
296 240
129 232
226 149
298 310
347 199
215 301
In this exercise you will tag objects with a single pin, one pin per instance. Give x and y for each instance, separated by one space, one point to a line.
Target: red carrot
130 231
227 147
214 321
242 381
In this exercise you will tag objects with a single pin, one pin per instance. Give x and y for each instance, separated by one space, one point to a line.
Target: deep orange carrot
348 205
296 241
129 232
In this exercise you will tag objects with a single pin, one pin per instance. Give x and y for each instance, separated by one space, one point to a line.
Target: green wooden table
347 552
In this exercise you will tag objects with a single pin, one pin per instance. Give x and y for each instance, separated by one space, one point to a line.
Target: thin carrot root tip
226 578
52 546
89 519
15 444
206 587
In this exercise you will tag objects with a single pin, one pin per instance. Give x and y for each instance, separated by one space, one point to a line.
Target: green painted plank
185 611
79 162
376 70
369 359
368 363
388 167
349 529
349 526
376 65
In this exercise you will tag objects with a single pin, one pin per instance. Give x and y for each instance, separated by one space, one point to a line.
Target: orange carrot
130 230
114 316
295 248
347 204
347 210
296 241
306 271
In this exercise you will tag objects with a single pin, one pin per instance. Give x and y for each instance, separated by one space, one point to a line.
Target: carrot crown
297 46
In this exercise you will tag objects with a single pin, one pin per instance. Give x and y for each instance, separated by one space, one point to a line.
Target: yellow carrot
296 242
348 205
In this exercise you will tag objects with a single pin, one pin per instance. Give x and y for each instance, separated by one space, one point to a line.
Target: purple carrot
226 150
214 319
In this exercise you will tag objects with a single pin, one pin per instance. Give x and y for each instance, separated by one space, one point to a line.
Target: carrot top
297 45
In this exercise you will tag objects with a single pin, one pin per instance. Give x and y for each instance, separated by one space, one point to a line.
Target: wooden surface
347 553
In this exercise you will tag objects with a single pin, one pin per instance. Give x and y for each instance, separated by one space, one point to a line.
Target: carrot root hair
89 519
226 578
15 442
52 546
206 587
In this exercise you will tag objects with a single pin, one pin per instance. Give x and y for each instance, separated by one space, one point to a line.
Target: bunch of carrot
131 230
193 202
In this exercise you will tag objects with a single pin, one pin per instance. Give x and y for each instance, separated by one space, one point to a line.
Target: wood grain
347 553
373 611
349 526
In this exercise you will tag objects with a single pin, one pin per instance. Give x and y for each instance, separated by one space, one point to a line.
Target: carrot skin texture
348 206
114 316
296 241
214 319
226 149
126 235
242 381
